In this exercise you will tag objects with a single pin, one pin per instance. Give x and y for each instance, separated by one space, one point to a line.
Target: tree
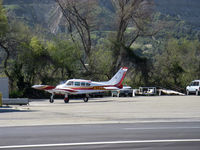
16 33
65 57
3 31
3 21
80 20
132 19
178 64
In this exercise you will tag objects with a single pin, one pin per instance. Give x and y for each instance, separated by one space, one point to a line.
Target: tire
66 100
187 92
85 99
51 100
197 92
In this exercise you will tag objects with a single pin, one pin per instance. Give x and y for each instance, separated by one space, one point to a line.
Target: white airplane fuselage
80 86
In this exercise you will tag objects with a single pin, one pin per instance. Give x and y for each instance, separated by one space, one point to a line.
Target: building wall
4 87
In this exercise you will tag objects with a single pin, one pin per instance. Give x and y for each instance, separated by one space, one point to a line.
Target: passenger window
77 83
82 83
70 83
87 84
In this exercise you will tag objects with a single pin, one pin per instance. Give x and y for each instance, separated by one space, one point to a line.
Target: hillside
46 13
34 12
187 10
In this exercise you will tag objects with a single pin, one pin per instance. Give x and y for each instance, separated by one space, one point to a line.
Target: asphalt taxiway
104 110
151 136
152 123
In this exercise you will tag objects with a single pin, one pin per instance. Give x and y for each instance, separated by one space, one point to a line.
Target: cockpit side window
77 83
82 83
70 83
87 84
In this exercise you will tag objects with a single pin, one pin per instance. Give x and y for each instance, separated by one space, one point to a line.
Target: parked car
147 91
126 91
193 87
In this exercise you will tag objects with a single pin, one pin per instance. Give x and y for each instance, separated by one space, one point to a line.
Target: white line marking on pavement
100 143
157 128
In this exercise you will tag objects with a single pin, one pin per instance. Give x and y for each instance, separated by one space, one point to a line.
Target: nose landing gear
66 99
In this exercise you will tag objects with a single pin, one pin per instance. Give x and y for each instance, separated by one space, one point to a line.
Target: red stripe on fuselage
48 88
73 89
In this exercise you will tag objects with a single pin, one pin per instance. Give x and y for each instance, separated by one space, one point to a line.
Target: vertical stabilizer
118 77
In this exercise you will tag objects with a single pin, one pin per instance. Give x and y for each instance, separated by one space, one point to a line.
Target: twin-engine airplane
79 86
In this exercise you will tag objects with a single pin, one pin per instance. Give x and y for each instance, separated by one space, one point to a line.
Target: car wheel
188 93
197 92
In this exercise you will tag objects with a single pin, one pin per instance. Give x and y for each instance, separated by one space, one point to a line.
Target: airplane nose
58 86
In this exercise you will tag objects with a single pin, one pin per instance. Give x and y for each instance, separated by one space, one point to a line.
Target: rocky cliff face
47 14
44 13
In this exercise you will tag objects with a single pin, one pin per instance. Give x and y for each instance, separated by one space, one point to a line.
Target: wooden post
0 99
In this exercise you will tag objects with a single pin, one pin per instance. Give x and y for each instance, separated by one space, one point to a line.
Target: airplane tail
118 77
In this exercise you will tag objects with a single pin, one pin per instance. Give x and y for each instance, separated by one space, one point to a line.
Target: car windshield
194 84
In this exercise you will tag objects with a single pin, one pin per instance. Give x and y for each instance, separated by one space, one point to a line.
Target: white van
193 87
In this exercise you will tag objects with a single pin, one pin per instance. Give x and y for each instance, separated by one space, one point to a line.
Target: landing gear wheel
51 100
85 99
66 100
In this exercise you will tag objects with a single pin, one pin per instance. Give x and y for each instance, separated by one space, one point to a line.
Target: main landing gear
66 99
85 99
51 100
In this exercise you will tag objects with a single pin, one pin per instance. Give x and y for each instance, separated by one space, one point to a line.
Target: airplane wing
43 87
64 91
111 88
53 89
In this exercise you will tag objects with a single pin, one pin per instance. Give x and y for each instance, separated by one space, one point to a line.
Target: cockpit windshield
70 83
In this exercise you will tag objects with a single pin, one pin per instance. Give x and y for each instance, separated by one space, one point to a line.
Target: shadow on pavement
8 109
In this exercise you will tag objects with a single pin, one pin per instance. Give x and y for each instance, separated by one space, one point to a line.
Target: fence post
0 99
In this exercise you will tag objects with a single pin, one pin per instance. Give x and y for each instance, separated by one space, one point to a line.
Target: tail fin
118 77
